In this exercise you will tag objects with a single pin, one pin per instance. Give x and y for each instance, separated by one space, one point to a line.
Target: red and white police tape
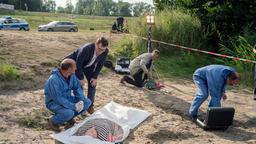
197 50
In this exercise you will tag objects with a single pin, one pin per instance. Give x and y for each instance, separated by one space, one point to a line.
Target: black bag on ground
217 118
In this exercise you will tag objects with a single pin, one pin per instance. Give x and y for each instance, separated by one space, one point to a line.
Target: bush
130 47
8 72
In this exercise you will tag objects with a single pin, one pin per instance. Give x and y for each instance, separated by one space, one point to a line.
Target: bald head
68 65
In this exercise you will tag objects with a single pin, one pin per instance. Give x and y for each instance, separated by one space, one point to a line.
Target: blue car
14 24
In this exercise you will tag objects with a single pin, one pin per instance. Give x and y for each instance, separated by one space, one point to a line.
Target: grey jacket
140 63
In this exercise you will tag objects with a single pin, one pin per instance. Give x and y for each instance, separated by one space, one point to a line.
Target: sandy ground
35 54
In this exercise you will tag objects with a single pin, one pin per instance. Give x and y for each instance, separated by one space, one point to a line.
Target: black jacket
83 56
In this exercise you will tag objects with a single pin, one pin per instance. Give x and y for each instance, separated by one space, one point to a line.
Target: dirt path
22 103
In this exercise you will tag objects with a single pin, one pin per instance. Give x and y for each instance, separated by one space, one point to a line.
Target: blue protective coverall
59 100
211 80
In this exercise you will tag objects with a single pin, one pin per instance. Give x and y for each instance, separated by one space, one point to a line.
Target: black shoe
54 127
122 80
70 124
193 117
90 110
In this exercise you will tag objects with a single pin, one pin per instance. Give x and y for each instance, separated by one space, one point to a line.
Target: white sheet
127 118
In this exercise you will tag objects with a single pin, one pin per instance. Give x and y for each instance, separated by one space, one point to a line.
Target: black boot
54 127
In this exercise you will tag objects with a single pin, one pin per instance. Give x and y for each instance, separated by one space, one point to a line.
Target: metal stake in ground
150 22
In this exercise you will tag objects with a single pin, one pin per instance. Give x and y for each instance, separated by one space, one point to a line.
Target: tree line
84 7
222 20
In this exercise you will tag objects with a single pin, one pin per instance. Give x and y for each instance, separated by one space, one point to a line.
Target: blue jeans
62 114
202 95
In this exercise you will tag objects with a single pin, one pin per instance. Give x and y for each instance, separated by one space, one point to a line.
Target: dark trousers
137 80
88 72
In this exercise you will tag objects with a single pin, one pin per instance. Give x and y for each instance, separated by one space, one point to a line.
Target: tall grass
242 49
174 26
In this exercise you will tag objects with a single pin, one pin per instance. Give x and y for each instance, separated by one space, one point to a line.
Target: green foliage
60 10
130 48
167 4
8 72
69 7
103 8
123 9
49 6
174 26
221 20
84 7
242 49
32 5
141 8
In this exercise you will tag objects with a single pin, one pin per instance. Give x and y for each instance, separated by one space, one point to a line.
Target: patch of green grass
8 72
182 66
37 120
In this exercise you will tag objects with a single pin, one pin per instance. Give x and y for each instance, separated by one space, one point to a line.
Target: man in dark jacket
89 60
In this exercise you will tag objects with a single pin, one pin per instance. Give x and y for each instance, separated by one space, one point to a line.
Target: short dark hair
156 51
103 41
66 65
234 76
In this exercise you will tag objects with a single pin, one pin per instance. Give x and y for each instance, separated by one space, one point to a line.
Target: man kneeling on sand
58 98
141 68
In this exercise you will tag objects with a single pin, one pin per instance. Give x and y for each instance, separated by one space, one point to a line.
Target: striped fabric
106 129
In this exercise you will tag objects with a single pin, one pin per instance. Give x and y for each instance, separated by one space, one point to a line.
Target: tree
102 7
88 9
220 19
49 6
225 19
162 4
30 5
124 8
141 8
60 10
69 7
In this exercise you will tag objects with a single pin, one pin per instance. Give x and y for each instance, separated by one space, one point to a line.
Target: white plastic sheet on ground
127 118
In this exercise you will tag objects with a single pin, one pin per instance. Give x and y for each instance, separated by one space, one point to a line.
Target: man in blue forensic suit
90 59
58 98
212 79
